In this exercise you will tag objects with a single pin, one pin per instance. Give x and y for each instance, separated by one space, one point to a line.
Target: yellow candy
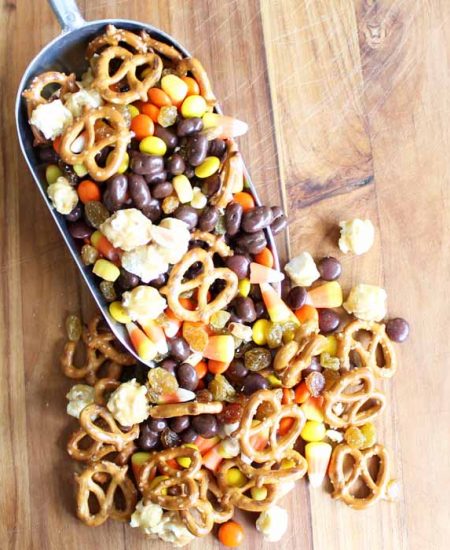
313 431
258 493
194 106
125 162
331 345
244 287
286 463
119 313
259 331
191 446
156 481
235 478
208 167
106 270
274 381
80 170
184 461
52 173
183 188
174 87
153 145
134 111
210 120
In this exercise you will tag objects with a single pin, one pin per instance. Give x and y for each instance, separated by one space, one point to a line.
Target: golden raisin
354 437
370 435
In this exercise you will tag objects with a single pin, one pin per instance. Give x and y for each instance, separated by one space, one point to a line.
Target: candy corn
312 408
226 126
144 347
179 396
326 295
212 458
204 445
106 249
318 457
262 274
156 335
171 324
277 309
220 348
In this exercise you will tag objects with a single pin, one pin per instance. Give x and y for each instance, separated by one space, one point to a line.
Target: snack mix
239 392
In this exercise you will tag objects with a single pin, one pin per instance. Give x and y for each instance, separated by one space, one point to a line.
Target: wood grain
348 108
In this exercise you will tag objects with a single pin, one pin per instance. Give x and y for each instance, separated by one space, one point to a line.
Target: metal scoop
66 53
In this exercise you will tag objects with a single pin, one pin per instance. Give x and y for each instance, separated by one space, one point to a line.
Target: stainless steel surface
66 53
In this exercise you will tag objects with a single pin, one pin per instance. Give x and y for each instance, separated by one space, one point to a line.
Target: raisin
108 291
73 328
169 438
96 213
315 382
274 336
161 382
289 328
257 359
196 337
221 389
167 116
264 410
89 254
231 413
204 396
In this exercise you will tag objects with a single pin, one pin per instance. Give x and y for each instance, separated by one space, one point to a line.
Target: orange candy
88 191
245 200
57 144
231 534
150 110
265 257
302 393
285 425
187 303
307 313
201 368
288 396
217 367
159 97
142 126
193 87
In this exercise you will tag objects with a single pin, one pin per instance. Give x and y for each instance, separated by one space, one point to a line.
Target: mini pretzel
190 409
33 94
295 356
102 342
111 433
231 176
354 390
343 482
118 138
176 287
199 519
138 87
87 484
184 480
267 428
193 65
367 354
102 388
216 243
161 47
97 450
114 37
266 476
223 510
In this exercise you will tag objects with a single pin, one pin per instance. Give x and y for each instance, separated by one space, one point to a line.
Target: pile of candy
239 392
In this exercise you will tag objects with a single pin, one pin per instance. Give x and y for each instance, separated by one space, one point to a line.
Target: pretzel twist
270 476
118 137
88 483
130 64
348 344
276 446
343 482
216 243
354 390
102 388
109 431
231 176
295 356
184 480
176 287
33 94
193 408
161 47
114 37
193 65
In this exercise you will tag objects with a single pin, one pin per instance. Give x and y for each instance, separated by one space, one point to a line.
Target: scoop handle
67 13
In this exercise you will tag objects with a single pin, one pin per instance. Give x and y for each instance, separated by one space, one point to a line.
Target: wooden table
348 105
